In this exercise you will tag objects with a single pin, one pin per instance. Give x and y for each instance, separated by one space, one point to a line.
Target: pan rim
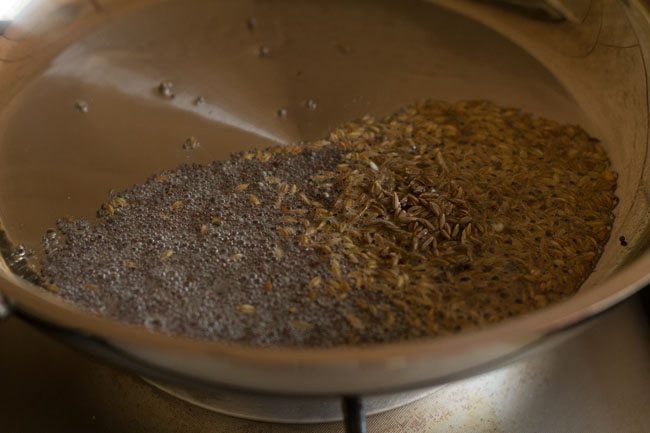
32 300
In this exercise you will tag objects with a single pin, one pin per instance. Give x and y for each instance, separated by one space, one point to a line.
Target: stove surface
597 382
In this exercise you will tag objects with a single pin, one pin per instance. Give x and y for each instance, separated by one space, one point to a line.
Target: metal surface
5 311
286 409
353 58
544 9
597 383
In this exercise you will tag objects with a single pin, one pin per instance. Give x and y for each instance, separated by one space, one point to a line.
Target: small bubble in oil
343 48
251 23
282 113
18 255
20 251
311 104
81 106
264 51
199 100
155 323
166 89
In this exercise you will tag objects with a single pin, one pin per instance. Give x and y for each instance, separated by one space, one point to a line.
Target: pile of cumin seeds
439 218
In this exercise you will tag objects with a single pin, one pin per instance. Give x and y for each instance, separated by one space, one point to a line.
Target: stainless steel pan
578 61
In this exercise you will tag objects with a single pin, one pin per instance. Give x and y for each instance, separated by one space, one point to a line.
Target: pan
80 114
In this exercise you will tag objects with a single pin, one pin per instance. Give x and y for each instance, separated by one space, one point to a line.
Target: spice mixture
439 218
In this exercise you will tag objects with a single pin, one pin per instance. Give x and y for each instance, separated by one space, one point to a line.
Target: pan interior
246 60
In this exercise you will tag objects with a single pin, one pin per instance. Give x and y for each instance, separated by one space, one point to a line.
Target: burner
288 410
596 382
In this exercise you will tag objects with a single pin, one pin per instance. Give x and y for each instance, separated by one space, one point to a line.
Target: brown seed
166 254
463 236
288 220
246 309
177 205
427 223
51 287
109 209
252 198
321 213
355 322
237 257
305 199
396 202
428 241
119 202
241 187
315 282
301 325
335 267
435 208
286 231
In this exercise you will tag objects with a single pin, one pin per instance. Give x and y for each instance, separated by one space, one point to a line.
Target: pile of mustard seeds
439 218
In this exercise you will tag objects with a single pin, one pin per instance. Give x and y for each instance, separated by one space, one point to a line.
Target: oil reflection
128 74
9 9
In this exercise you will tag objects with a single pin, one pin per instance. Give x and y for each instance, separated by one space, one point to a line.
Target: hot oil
317 64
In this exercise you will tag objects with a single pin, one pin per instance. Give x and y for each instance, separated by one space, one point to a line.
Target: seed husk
191 143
